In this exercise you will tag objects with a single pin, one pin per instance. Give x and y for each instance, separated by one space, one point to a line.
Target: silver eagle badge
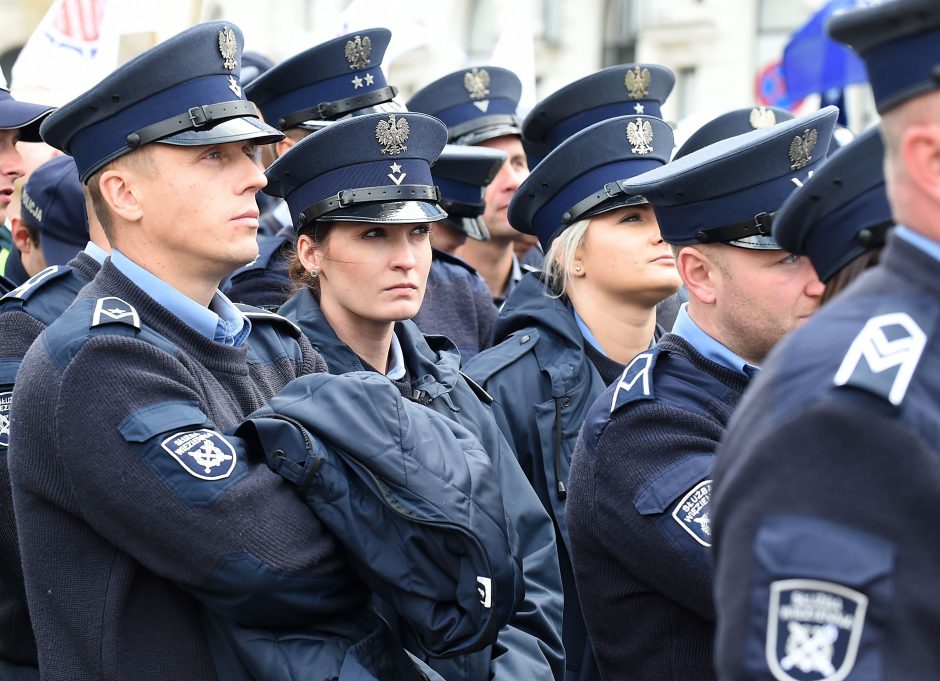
637 82
228 47
801 149
358 51
392 135
762 117
640 136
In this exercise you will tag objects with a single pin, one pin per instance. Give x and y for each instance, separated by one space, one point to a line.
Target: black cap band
325 111
759 225
350 197
197 117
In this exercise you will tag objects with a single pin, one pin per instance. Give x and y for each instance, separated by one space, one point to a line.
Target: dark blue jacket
544 383
826 491
457 304
24 313
529 647
264 283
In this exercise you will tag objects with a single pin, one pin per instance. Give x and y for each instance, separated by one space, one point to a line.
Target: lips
402 286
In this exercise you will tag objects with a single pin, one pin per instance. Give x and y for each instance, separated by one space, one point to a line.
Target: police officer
362 266
156 542
478 106
638 510
731 123
18 121
457 302
568 333
828 475
841 217
327 82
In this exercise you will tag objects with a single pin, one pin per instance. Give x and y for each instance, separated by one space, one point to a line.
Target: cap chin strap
352 197
479 124
326 111
759 225
196 118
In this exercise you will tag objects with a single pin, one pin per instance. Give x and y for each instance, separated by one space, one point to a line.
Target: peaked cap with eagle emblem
579 179
370 168
732 123
624 90
462 174
729 191
329 81
840 212
184 91
476 104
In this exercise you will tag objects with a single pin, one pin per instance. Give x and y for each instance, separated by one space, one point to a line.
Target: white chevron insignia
882 354
644 373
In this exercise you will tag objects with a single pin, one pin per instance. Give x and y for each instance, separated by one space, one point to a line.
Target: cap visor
757 243
474 228
24 117
488 133
232 130
613 204
394 212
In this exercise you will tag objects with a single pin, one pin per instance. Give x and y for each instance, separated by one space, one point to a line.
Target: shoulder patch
6 398
883 357
636 381
478 390
692 512
112 310
34 283
256 314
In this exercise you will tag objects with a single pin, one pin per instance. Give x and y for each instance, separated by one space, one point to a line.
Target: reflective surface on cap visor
757 242
232 130
393 212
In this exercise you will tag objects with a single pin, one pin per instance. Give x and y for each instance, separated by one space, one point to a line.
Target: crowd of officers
298 382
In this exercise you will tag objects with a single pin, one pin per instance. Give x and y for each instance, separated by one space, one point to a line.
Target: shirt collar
221 321
95 251
586 332
282 213
711 349
396 360
919 241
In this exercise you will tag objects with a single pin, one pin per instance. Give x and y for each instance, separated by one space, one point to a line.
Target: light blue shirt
925 244
586 332
95 251
396 360
221 321
709 348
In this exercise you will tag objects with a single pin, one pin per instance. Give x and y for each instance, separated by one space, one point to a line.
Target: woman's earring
578 268
313 273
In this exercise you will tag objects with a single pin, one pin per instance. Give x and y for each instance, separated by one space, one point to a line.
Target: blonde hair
559 260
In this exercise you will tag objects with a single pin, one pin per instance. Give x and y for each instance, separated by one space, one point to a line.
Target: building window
620 31
686 82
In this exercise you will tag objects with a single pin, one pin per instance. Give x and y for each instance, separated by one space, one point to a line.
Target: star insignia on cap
477 82
762 117
358 51
640 136
639 108
637 81
392 135
357 82
370 79
801 149
228 47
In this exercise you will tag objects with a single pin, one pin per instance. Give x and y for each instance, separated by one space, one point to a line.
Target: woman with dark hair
363 202
567 333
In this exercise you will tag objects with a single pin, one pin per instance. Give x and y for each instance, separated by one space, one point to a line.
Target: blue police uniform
159 542
638 509
824 562
457 303
353 159
542 351
330 81
52 201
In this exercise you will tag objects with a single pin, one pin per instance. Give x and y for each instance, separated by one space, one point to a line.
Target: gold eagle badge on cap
801 149
640 136
637 81
357 52
228 47
762 117
392 135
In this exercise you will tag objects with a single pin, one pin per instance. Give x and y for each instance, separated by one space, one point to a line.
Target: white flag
74 47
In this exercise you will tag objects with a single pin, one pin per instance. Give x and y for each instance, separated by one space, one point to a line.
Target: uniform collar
396 360
707 346
95 251
919 241
221 321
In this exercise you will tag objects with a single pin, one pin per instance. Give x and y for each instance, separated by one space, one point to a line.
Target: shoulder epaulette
25 290
884 355
112 310
528 269
256 314
496 358
478 390
443 256
636 381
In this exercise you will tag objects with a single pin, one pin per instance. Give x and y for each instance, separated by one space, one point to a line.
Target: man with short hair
828 475
638 501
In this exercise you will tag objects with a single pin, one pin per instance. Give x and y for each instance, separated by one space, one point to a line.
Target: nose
254 179
403 256
814 286
11 163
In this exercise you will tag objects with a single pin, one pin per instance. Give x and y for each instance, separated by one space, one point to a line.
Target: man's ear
20 234
920 154
281 146
699 273
122 193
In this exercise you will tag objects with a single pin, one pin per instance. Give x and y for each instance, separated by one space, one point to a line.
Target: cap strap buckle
760 225
325 111
351 197
609 191
196 117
